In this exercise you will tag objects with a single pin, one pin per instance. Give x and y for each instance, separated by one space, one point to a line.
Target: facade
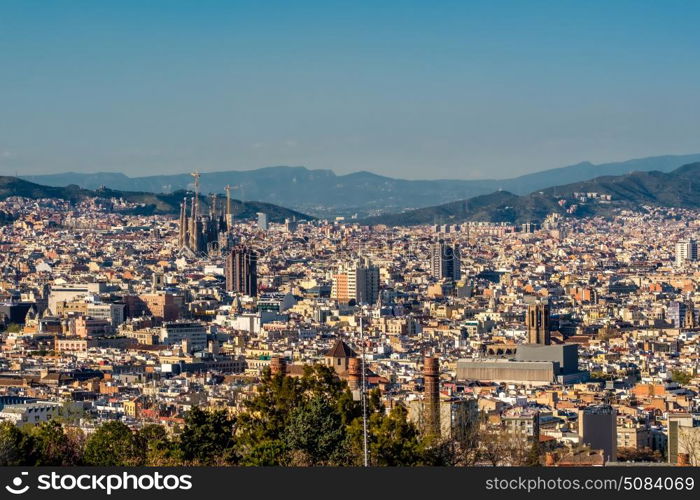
564 355
682 314
192 333
161 305
504 370
522 422
70 291
30 413
597 428
114 313
445 262
686 250
262 221
683 438
241 271
537 322
634 436
339 356
358 282
87 327
458 417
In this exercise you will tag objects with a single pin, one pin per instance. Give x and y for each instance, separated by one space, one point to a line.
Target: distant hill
152 203
323 193
679 188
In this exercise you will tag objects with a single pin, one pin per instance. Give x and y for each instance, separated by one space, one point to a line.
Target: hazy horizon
184 172
477 90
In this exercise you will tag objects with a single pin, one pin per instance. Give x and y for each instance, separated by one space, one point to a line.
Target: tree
316 429
56 447
681 377
689 442
16 447
260 428
645 454
160 450
207 438
265 431
495 446
533 457
113 444
392 439
467 443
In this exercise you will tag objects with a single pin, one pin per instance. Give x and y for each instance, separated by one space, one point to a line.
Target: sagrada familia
204 232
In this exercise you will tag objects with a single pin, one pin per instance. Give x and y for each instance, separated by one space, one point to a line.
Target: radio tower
364 397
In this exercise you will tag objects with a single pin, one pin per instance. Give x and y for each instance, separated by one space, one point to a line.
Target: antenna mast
364 395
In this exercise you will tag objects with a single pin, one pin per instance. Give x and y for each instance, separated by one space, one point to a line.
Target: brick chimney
278 366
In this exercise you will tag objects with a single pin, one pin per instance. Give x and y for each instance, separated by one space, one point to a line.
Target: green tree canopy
16 447
113 444
207 438
54 446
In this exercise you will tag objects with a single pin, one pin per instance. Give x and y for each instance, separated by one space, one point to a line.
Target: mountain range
168 203
679 188
323 193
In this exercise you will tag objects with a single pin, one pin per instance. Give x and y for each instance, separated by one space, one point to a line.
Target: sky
412 89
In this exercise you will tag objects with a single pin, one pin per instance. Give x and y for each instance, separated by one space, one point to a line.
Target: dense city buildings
577 334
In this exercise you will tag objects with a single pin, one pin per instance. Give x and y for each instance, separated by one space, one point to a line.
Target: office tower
537 321
262 221
290 225
529 227
597 428
686 250
358 282
241 271
431 394
444 261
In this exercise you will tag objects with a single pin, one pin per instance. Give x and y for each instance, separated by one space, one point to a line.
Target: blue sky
468 89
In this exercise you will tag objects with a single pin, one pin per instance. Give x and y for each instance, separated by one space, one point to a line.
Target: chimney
354 373
431 377
278 366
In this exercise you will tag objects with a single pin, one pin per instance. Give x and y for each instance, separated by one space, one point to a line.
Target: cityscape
433 236
205 339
